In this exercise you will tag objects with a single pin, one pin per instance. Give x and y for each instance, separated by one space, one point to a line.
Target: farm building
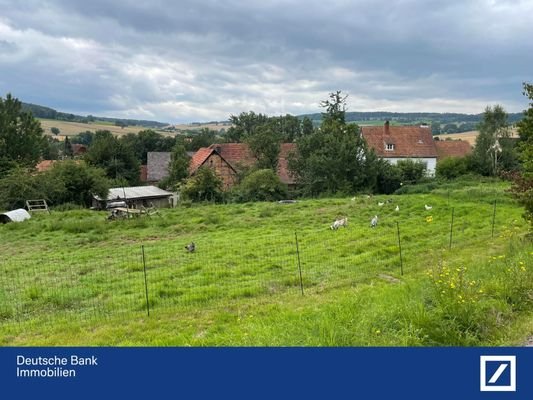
157 164
452 148
18 215
395 143
227 158
135 197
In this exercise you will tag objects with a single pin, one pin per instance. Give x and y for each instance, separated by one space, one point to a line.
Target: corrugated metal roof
18 215
135 192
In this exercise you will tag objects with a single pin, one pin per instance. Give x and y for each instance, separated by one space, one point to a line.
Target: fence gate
37 205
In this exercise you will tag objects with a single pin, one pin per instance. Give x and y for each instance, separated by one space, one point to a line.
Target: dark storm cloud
191 60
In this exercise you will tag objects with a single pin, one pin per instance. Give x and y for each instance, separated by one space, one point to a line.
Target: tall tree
307 126
244 125
179 164
117 159
335 108
265 146
525 131
21 135
203 138
523 182
488 150
334 157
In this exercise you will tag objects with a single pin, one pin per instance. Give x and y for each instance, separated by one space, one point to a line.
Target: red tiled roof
239 154
235 153
452 148
44 165
408 141
199 158
78 149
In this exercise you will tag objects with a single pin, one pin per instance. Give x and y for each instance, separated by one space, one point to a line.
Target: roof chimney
386 128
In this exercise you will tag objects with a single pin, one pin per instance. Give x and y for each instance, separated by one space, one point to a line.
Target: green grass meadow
73 278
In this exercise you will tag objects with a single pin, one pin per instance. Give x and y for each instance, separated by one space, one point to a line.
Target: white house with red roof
395 143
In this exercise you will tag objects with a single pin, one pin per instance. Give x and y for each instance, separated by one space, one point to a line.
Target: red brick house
226 159
395 143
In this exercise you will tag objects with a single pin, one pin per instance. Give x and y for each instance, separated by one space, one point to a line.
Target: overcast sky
200 60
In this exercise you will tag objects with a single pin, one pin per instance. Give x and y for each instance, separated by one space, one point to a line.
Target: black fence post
400 247
299 264
493 218
451 230
145 282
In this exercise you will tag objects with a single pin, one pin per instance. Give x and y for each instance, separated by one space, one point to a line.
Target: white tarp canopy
18 215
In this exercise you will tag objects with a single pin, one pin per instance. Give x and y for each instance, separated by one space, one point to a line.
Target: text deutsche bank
52 367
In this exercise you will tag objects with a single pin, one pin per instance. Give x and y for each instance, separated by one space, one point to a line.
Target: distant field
73 128
469 136
210 126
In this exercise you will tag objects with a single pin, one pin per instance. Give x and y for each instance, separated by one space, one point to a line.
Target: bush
389 177
261 185
205 185
411 171
452 167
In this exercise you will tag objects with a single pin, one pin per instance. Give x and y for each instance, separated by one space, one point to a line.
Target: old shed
135 197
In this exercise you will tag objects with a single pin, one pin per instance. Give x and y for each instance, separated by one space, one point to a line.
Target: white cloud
198 60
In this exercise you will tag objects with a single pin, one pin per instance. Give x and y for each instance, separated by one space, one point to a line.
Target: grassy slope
242 287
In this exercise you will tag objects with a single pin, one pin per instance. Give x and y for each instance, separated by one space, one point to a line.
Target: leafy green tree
68 148
523 181
244 125
488 149
334 157
17 186
307 127
79 181
262 185
55 130
287 127
21 135
121 123
117 159
525 131
203 138
51 148
335 108
178 169
204 185
389 177
265 146
452 167
85 138
411 171
146 141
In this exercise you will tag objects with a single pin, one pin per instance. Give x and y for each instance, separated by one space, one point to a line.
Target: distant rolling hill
49 113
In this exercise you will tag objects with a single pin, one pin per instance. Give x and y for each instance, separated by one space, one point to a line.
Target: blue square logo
497 373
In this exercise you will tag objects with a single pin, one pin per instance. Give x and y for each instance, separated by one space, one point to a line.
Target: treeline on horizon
440 122
49 113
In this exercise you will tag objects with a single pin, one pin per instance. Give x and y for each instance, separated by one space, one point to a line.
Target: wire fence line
161 275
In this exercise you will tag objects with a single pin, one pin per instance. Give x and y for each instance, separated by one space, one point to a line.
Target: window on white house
389 146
